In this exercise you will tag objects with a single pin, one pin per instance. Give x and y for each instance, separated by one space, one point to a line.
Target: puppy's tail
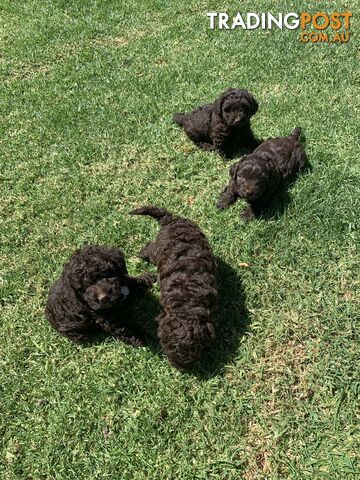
296 133
179 118
160 214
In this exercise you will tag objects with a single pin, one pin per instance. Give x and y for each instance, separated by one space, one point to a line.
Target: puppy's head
106 293
236 107
251 177
99 276
183 338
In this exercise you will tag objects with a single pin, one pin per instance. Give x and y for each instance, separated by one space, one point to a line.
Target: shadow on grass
240 150
232 322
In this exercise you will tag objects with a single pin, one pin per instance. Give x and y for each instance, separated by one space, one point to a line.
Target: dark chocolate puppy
257 177
186 269
90 294
224 125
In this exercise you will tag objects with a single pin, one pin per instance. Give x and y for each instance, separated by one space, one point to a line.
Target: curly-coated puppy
186 270
90 294
258 176
223 125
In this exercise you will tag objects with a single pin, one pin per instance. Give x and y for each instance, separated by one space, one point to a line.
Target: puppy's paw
248 213
227 198
222 204
150 279
143 282
144 252
209 147
135 342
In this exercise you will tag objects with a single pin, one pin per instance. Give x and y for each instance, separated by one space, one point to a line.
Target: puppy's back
287 153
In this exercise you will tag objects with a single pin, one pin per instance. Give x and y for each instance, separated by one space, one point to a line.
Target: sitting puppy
258 176
223 125
186 269
90 293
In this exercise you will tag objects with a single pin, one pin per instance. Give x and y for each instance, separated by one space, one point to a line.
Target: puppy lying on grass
224 125
186 269
90 294
258 177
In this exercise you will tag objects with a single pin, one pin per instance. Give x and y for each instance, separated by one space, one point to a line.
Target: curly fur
186 269
224 125
258 176
90 294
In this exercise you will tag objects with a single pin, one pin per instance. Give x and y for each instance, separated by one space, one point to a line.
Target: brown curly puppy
186 268
223 125
258 176
90 293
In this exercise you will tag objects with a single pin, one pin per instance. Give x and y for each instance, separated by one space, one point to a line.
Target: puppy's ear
233 169
75 278
220 101
254 106
113 255
219 104
116 257
74 271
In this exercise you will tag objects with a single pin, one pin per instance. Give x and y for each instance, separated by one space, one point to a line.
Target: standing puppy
90 294
258 176
186 268
223 125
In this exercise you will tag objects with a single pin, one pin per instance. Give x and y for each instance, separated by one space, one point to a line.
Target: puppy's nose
102 296
246 192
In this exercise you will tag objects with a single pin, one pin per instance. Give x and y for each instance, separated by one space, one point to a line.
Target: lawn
87 93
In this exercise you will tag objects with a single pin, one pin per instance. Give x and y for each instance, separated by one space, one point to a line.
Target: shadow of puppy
232 322
142 314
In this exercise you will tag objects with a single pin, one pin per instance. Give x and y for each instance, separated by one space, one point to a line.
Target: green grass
88 90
